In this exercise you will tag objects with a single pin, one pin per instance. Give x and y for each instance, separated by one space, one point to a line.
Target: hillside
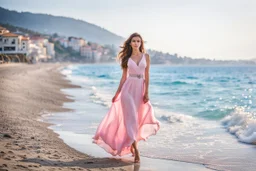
65 26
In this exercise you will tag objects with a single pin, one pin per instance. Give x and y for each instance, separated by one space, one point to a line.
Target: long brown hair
126 52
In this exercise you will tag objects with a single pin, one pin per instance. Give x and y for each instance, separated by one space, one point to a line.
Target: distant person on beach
131 115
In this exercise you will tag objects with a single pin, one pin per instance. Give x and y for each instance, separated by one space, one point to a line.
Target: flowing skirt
129 119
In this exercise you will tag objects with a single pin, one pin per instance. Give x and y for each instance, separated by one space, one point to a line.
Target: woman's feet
135 152
137 156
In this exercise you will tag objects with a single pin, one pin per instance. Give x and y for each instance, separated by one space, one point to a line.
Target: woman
131 115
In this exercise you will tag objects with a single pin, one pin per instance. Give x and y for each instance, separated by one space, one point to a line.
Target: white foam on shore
67 70
43 115
175 117
242 124
101 98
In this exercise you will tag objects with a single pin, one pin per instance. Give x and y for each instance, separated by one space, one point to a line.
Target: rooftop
9 35
25 38
36 38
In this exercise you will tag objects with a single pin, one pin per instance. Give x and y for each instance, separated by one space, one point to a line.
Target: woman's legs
132 150
137 154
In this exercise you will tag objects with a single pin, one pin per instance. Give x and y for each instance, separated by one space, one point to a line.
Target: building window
23 47
13 41
1 49
1 39
9 48
23 43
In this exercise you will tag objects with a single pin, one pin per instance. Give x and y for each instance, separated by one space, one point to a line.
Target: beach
26 93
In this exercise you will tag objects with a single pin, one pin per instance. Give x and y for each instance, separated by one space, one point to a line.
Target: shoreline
27 91
26 143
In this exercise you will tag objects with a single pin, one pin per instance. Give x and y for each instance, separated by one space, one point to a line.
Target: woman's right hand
114 98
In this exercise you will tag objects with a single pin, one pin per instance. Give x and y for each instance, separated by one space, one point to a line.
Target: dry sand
26 92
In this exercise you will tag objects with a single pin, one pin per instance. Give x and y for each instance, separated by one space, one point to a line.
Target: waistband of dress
139 76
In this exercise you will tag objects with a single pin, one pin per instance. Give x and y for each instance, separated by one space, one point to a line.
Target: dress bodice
133 68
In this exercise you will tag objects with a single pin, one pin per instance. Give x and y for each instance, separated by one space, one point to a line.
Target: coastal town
27 46
21 47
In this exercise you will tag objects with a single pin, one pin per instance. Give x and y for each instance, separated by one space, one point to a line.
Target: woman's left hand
145 98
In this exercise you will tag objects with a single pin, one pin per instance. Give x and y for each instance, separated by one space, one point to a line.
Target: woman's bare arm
145 97
147 74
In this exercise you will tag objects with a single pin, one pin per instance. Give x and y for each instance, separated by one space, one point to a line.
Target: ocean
207 113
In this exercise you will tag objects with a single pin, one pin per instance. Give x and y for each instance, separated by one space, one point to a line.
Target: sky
213 29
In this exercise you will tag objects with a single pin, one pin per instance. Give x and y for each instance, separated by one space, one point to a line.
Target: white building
96 55
86 51
95 46
50 50
37 40
37 49
63 42
24 46
76 43
11 43
41 49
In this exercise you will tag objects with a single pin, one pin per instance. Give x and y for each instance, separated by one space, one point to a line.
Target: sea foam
242 124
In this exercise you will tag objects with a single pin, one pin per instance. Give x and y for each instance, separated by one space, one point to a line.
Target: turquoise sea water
206 92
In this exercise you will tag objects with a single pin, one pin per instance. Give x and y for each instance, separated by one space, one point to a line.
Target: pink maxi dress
129 119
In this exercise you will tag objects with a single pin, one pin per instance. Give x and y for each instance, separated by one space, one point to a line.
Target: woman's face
135 43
